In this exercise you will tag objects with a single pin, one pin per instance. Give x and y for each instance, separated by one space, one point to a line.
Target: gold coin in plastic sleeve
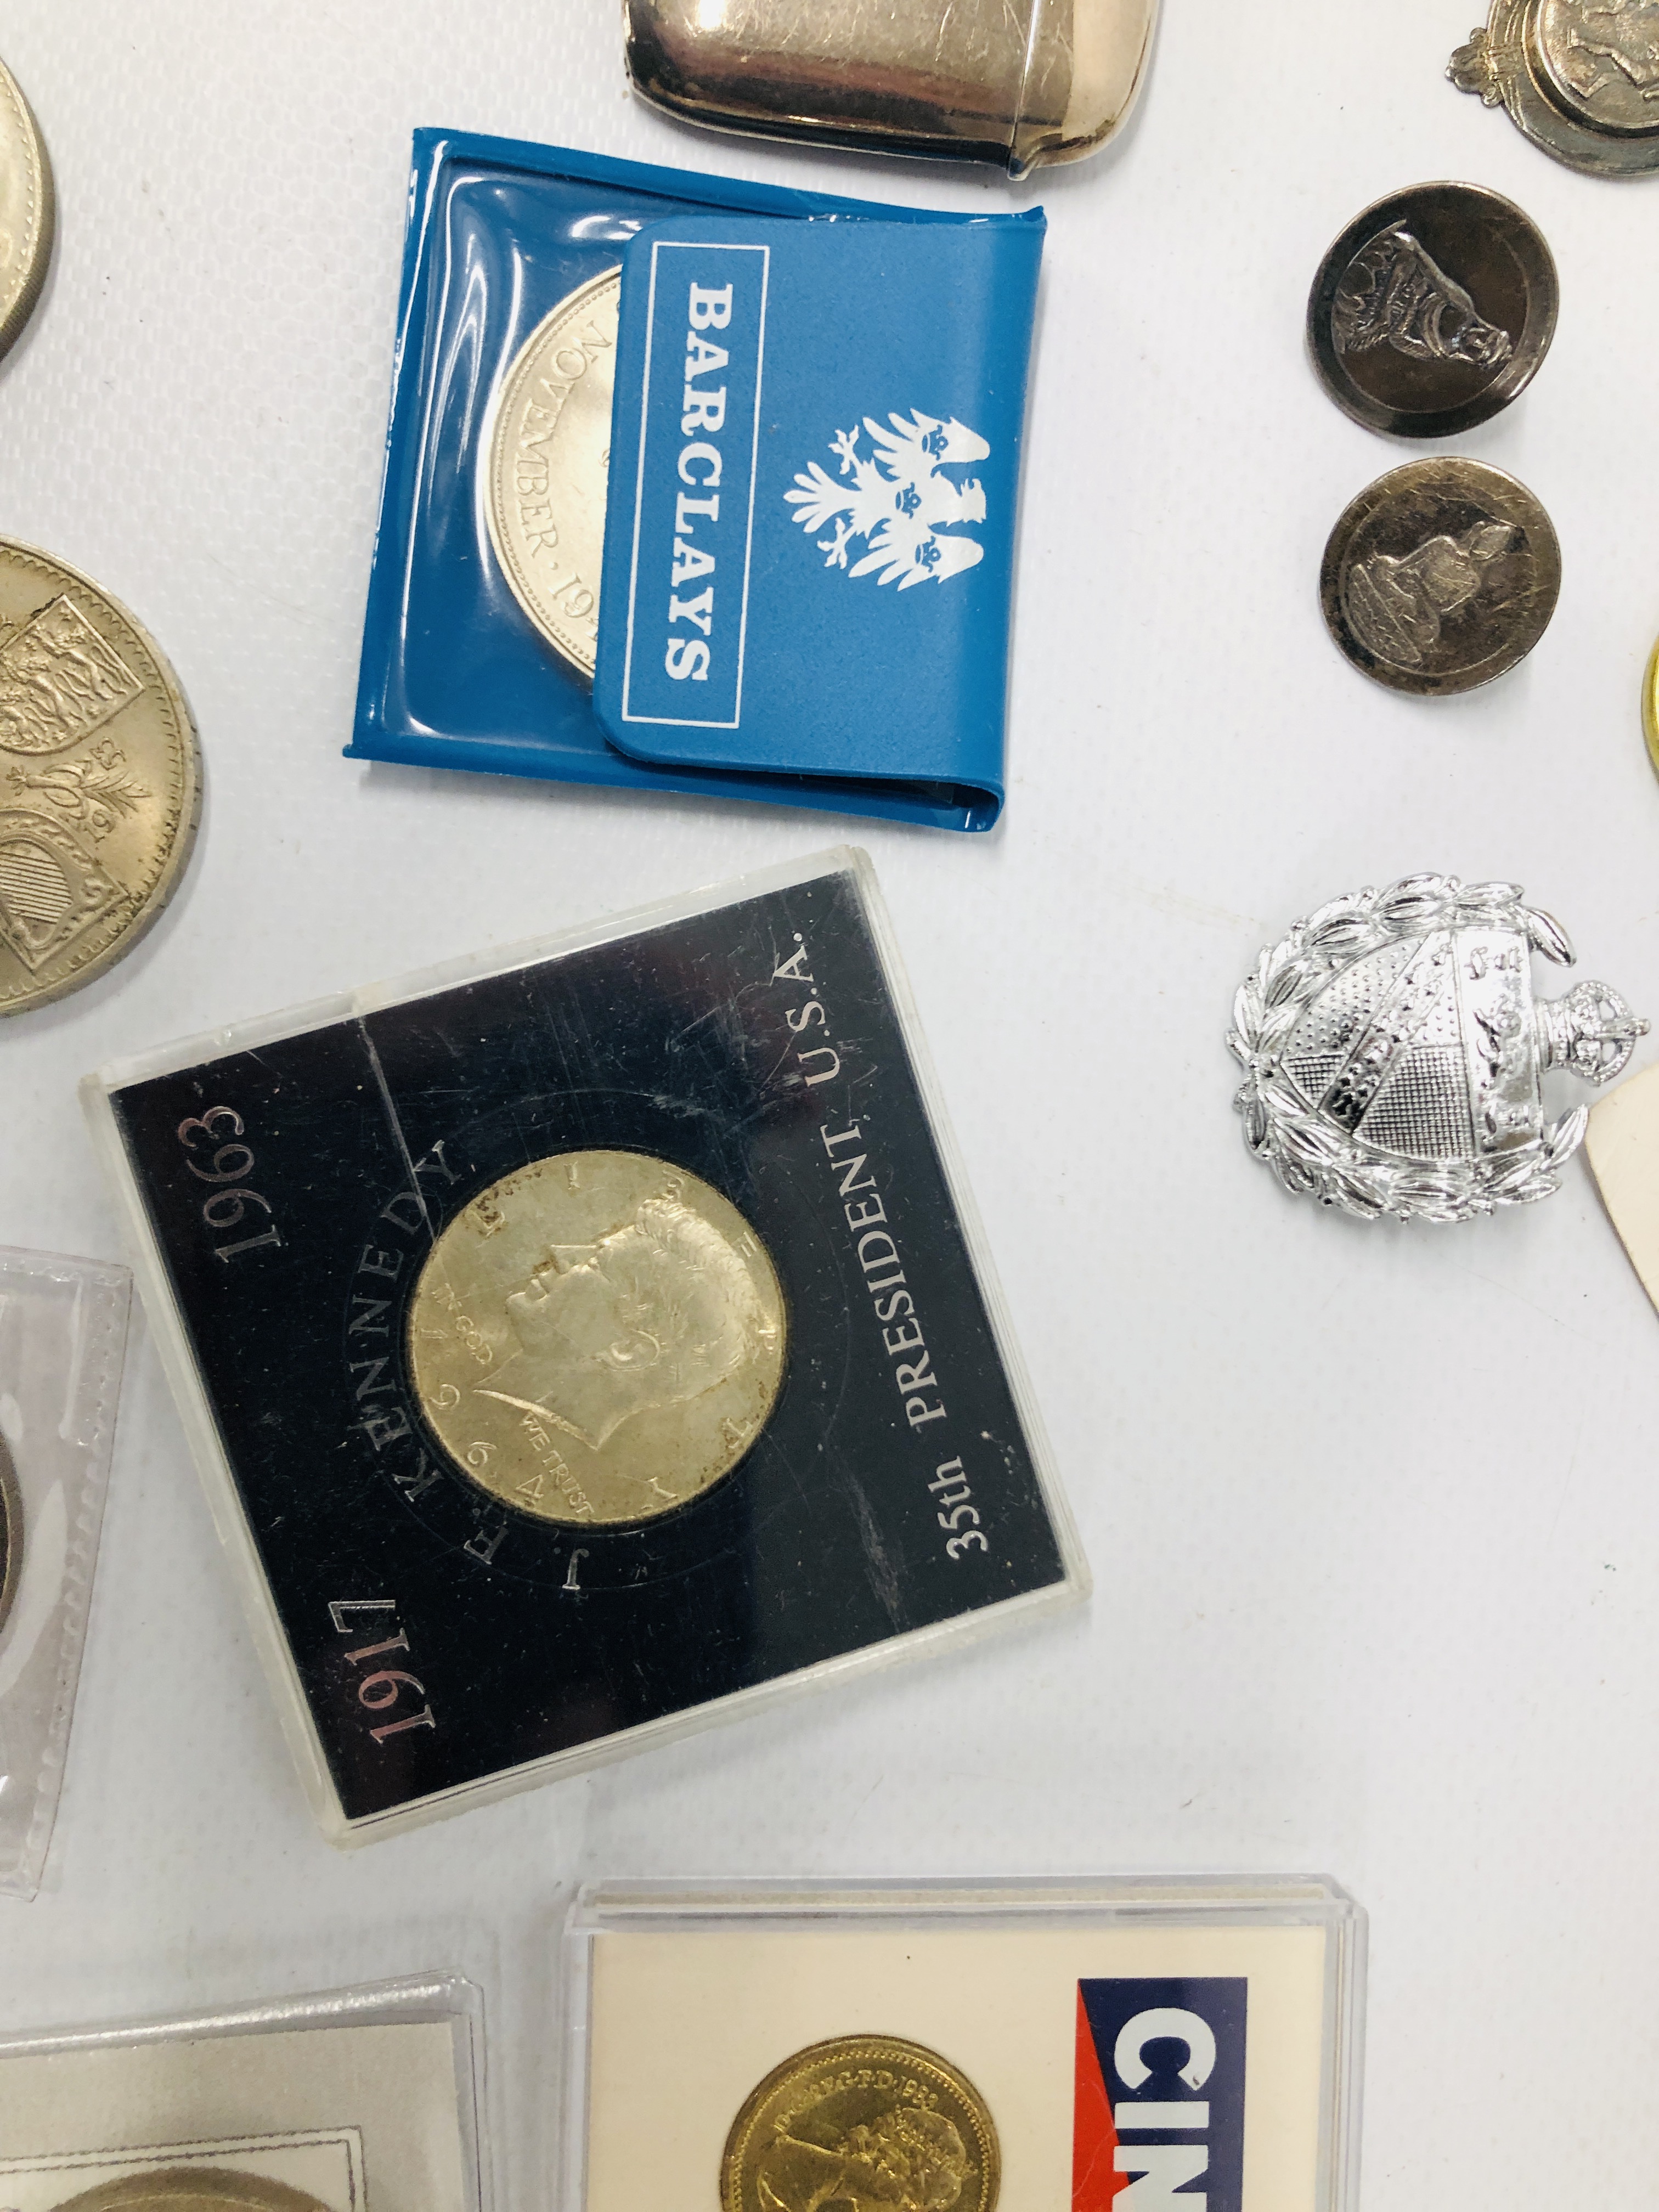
1650 706
597 1337
549 461
100 787
870 2122
29 213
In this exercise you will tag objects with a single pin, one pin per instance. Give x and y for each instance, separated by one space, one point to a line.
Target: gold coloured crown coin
1432 310
867 2121
193 2188
1578 77
29 213
549 459
599 1337
11 1533
1650 706
1440 576
100 785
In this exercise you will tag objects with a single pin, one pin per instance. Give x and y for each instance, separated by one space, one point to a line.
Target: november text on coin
533 479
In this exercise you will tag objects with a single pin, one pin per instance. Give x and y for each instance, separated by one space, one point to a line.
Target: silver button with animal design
1432 311
1396 1055
1440 576
1578 77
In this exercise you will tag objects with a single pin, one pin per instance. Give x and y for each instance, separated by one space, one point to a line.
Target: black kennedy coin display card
443 1639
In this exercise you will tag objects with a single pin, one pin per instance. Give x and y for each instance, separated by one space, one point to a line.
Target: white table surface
1372 1510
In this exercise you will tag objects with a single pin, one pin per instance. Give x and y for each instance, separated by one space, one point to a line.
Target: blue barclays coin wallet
813 482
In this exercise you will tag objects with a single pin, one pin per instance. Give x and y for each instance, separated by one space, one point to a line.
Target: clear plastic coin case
364 2096
1196 2039
63 1340
585 1342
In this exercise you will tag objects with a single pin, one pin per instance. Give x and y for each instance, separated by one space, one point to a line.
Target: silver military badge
1395 1054
1579 78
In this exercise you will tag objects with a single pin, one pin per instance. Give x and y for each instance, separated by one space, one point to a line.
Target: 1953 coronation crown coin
100 780
1432 310
27 211
597 1337
869 2123
1395 1054
1440 576
1578 77
11 1533
549 460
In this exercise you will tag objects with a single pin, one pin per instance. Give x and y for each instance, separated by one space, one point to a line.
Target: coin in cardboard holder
914 2040
1396 1053
733 1410
193 2188
28 211
1580 78
1432 311
1440 577
280 2103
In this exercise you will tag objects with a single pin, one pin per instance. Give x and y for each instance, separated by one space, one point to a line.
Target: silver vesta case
1013 82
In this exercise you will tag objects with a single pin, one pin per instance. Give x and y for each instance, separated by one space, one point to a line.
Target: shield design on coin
51 887
1396 1052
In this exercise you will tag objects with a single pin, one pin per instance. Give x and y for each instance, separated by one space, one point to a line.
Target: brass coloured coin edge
148 911
17 316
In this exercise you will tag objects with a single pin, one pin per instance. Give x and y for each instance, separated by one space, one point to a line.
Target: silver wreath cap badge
1396 1052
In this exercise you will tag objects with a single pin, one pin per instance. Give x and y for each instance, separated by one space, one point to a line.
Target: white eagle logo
898 501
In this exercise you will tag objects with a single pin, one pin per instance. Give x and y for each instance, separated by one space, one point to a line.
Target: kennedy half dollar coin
599 1337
